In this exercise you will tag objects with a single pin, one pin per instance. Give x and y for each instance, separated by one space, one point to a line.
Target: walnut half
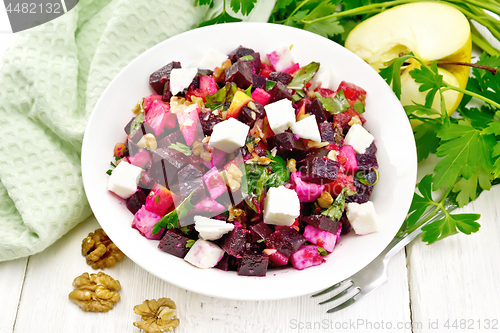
100 251
96 292
157 315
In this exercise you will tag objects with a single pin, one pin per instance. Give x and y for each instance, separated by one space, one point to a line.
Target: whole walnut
156 315
96 293
100 251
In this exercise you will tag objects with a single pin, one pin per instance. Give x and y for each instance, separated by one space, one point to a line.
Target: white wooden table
451 286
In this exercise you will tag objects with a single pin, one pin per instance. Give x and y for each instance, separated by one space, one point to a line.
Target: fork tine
339 295
346 303
327 290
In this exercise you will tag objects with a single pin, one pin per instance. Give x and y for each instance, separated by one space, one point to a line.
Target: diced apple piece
322 238
261 96
351 163
159 200
240 99
140 159
144 221
306 256
307 192
124 179
204 254
157 116
215 184
189 122
148 101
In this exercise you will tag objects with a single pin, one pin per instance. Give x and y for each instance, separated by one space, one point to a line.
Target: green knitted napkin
50 80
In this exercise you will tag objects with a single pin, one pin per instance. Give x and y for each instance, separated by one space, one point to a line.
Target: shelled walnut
100 251
157 315
96 293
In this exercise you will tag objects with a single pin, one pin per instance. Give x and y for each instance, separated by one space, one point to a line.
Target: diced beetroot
259 81
282 77
260 231
324 239
352 92
208 120
307 192
240 73
306 256
140 159
330 133
366 162
265 69
286 143
278 242
191 181
317 109
135 202
157 116
228 263
189 122
363 193
174 243
208 205
253 264
217 158
144 221
249 115
234 243
293 237
148 101
171 139
159 200
208 85
261 96
239 52
140 132
215 184
161 78
322 222
319 170
351 164
277 258
279 92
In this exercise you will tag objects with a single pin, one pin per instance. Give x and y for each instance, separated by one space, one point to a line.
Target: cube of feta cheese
307 128
181 78
204 254
362 217
324 78
124 179
281 59
359 138
211 229
281 115
281 207
212 59
229 135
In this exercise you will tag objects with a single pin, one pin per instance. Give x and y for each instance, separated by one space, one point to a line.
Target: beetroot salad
248 161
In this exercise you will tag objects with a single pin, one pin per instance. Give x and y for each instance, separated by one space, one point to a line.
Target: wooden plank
45 306
11 285
457 278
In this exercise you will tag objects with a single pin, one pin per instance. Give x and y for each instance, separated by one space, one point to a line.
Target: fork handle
399 242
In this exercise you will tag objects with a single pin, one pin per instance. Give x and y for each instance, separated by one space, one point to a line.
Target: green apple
432 31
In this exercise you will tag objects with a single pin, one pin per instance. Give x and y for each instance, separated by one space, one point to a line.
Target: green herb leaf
248 57
336 209
270 84
359 107
280 175
261 240
248 91
440 229
157 199
246 6
429 79
181 148
171 220
190 243
392 73
136 123
304 75
109 172
362 179
322 251
221 18
335 105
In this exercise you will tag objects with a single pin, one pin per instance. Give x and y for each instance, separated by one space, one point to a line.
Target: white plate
385 119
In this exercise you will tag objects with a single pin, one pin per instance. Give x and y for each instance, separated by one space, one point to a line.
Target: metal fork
375 273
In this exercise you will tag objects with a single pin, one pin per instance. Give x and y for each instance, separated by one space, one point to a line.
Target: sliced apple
432 31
